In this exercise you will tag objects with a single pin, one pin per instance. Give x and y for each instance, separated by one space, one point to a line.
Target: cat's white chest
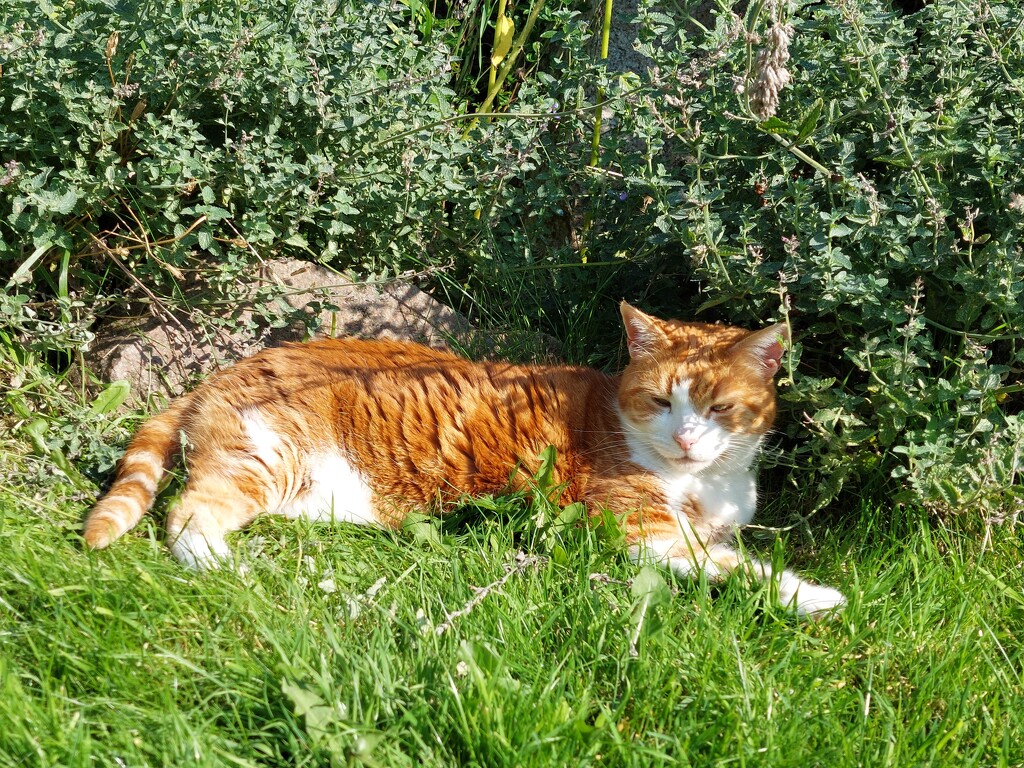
725 500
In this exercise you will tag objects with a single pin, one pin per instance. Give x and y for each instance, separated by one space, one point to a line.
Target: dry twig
523 561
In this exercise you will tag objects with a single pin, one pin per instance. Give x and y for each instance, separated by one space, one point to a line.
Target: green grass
327 652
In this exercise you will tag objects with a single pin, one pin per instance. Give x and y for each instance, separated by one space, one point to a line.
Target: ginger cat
364 431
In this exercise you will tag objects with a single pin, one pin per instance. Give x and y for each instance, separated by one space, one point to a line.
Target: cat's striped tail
150 454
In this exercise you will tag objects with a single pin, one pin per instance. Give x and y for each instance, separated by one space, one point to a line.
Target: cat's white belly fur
334 492
337 493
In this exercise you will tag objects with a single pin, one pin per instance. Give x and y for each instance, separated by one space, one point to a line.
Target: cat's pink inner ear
765 348
642 333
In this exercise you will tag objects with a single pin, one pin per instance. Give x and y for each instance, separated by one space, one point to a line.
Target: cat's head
697 397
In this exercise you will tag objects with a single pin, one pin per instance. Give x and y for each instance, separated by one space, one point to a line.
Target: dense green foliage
879 210
895 241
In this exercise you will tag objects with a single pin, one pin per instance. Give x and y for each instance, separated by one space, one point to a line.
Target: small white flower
422 622
375 587
354 607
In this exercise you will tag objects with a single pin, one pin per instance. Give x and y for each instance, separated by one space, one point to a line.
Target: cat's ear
764 349
643 334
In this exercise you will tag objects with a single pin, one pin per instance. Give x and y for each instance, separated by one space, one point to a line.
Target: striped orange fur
365 431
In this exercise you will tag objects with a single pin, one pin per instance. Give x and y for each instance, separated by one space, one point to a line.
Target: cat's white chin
687 464
689 461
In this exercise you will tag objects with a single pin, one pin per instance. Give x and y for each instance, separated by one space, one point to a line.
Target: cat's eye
721 407
662 402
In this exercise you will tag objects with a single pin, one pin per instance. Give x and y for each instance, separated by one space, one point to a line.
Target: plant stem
595 150
510 60
493 74
794 150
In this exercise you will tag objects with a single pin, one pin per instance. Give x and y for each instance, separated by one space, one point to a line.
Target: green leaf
62 279
558 554
810 121
303 699
61 461
110 399
649 592
1002 586
36 431
570 515
546 469
66 203
424 528
714 302
895 160
23 272
775 125
609 529
309 705
649 587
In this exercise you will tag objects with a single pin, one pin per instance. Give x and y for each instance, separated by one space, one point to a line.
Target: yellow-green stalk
595 152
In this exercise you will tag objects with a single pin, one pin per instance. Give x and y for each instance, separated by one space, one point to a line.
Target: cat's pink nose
686 442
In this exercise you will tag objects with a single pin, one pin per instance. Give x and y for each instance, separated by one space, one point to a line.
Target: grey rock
160 354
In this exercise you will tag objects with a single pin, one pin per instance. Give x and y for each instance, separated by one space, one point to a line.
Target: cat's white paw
200 552
811 600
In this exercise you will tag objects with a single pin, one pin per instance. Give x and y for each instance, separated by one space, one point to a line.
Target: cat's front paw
810 600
